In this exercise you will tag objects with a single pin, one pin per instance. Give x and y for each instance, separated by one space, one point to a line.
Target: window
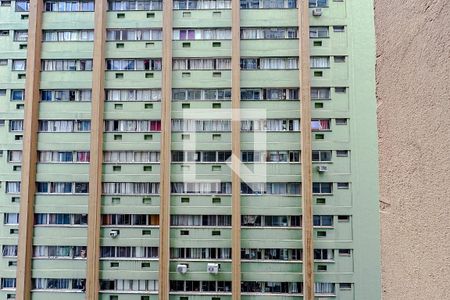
129 220
342 153
128 252
130 188
201 187
197 220
201 4
20 35
268 33
9 251
278 188
319 125
62 187
339 28
271 287
133 95
345 252
343 218
340 89
321 155
318 3
252 4
321 93
11 219
201 94
67 65
141 34
324 288
323 254
323 221
270 125
185 125
269 63
22 6
17 95
202 34
202 64
68 35
18 64
345 286
339 59
66 95
320 62
58 284
64 125
270 94
129 285
322 187
343 185
63 6
8 283
319 32
341 121
16 125
12 187
197 286
133 64
122 5
132 125
14 155
130 157
270 221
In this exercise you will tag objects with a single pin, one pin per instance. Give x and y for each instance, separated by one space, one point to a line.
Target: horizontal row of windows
175 220
126 5
175 253
147 188
129 95
263 63
155 34
177 156
178 125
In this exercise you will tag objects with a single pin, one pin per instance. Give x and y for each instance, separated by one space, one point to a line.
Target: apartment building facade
161 150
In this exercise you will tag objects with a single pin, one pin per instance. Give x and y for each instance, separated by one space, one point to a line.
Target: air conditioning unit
212 268
317 12
182 269
322 169
114 233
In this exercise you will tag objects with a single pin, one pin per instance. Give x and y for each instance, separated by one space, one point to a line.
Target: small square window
339 59
217 44
115 200
216 14
321 233
117 137
3 62
117 168
146 232
318 105
149 45
114 264
342 153
216 105
185 136
215 232
145 265
343 185
113 297
15 199
185 200
147 168
184 232
345 252
216 137
149 75
319 136
318 73
321 201
186 45
21 76
23 46
345 286
119 75
148 137
147 200
118 106
216 168
24 17
148 105
2 122
217 74
17 168
5 3
340 89
341 121
2 92
12 263
321 268
317 43
150 15
145 297
120 15
186 74
216 200
120 45
185 105
343 218
186 14
338 28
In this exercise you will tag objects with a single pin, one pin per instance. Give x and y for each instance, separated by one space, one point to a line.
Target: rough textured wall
413 78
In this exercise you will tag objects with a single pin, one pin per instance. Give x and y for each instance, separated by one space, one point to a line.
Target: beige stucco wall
413 89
